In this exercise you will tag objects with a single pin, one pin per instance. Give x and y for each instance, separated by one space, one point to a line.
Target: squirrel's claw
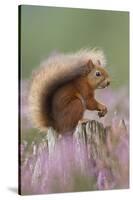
102 112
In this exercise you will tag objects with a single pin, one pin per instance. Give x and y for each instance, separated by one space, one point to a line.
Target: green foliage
48 29
32 135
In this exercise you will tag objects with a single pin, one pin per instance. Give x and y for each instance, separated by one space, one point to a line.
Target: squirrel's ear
87 68
90 65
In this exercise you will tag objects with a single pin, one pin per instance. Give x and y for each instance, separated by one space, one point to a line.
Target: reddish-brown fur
67 108
63 88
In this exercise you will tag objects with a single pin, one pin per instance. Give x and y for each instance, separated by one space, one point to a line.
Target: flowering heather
79 162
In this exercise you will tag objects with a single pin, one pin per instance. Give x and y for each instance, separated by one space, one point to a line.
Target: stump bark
91 134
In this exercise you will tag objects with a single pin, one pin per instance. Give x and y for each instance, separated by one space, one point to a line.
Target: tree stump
91 134
91 149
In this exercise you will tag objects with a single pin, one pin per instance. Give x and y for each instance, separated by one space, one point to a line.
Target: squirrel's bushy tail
52 74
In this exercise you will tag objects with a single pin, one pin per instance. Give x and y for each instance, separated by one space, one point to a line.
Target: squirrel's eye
98 73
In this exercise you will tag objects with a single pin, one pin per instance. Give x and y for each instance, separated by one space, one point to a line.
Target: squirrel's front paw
102 110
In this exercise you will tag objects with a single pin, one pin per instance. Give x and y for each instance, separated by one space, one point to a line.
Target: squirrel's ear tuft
90 65
98 61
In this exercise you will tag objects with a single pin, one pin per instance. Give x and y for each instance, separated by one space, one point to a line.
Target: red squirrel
63 88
